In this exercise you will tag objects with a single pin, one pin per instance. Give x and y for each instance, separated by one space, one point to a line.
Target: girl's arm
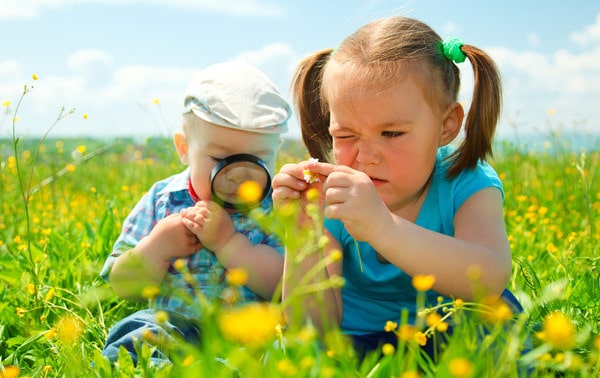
322 307
479 250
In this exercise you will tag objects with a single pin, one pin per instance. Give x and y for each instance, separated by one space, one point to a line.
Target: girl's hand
210 223
290 184
351 197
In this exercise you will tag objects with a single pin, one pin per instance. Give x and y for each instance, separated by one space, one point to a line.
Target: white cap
239 96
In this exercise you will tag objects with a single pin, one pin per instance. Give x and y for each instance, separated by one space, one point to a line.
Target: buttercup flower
461 368
252 325
34 77
237 277
69 330
390 326
558 331
150 292
423 282
388 349
250 191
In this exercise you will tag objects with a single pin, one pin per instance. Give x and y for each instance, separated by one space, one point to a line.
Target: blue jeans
128 331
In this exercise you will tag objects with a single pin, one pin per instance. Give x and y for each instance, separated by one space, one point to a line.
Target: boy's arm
147 263
263 263
215 229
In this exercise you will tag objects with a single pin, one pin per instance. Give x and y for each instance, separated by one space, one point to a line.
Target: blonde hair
381 52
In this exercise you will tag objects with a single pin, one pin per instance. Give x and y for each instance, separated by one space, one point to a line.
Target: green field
63 203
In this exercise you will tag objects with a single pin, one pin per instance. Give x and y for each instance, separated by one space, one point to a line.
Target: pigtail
483 115
313 114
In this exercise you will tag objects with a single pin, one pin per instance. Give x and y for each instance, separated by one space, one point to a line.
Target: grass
63 203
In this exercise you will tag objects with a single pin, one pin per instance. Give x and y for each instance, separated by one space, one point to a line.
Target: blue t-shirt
381 291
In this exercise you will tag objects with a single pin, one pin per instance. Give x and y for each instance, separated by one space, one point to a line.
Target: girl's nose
367 153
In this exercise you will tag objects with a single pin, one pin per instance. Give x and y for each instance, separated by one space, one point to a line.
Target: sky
123 65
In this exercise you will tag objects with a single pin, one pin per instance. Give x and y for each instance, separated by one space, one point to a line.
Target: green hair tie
452 49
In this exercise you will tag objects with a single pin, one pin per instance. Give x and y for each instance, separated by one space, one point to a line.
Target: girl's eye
216 159
392 134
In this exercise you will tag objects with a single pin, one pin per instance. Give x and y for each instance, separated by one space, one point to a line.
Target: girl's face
391 135
205 144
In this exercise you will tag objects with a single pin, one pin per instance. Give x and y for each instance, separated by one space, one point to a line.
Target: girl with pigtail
399 199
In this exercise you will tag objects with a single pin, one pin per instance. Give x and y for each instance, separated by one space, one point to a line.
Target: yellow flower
307 362
10 371
390 326
388 349
423 282
410 374
312 194
336 255
156 101
237 277
458 303
179 264
69 330
250 192
6 104
461 367
85 116
50 334
21 312
252 325
34 77
406 332
31 288
70 167
310 177
81 149
287 368
187 361
558 331
420 338
162 317
497 311
149 292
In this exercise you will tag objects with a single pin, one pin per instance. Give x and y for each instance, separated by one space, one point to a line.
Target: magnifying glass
240 182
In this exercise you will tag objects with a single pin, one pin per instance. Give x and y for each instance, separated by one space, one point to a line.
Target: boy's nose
238 175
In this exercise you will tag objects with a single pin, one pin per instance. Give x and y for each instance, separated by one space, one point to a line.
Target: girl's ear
452 122
181 146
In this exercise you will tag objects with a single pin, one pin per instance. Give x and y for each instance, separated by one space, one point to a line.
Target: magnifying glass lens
240 182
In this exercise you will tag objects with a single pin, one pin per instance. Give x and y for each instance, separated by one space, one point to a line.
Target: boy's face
204 144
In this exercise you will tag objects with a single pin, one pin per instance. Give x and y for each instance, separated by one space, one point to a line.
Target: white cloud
533 39
10 9
121 102
590 35
87 57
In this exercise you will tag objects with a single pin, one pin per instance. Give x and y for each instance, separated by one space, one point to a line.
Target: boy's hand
169 239
210 223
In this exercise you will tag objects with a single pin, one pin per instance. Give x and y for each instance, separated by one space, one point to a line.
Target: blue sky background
110 59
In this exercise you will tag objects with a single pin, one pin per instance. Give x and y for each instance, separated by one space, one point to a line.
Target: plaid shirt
180 293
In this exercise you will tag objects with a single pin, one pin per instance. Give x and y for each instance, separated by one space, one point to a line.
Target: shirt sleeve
136 226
